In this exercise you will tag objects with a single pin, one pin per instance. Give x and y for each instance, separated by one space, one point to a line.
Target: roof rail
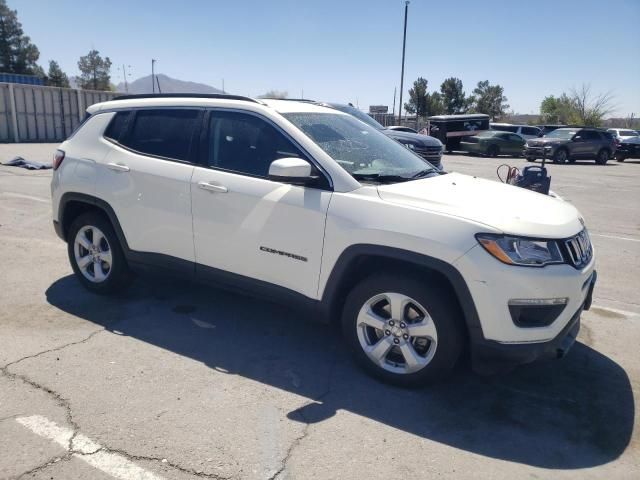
220 96
306 100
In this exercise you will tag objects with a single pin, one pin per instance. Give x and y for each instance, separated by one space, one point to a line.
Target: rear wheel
402 330
493 151
95 254
620 158
603 157
531 159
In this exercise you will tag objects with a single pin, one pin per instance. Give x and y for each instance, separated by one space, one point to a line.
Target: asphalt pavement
174 380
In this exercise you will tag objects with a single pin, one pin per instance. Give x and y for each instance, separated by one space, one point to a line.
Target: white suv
308 205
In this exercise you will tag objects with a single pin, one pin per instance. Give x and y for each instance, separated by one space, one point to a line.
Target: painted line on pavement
87 450
624 313
615 237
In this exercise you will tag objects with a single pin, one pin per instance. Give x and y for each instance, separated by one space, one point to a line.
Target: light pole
404 44
153 75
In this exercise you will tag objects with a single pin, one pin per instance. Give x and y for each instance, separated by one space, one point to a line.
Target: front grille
428 152
579 249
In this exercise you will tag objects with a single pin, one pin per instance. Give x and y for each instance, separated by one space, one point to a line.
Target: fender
90 200
351 254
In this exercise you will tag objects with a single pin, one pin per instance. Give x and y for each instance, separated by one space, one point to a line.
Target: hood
509 209
404 137
545 140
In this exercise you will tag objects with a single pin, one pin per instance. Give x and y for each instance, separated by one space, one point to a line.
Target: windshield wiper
376 177
425 173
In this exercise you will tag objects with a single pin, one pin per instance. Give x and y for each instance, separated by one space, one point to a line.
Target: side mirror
577 138
292 170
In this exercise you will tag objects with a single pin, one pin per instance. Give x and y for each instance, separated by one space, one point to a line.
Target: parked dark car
401 128
550 128
450 129
571 144
628 148
494 143
427 147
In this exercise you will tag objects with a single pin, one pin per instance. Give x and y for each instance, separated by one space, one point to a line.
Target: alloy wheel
397 333
93 254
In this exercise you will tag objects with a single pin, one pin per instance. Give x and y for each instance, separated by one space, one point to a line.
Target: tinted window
530 131
504 128
245 143
165 133
115 128
515 138
590 135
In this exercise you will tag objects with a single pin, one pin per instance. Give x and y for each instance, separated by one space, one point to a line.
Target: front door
243 222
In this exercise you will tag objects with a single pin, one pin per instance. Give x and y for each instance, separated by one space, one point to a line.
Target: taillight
58 157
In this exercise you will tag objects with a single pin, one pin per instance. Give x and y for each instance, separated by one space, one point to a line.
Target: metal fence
31 113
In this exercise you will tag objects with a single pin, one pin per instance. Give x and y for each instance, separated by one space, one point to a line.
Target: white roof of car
281 106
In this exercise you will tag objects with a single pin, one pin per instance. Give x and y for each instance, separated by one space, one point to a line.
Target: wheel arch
73 204
362 260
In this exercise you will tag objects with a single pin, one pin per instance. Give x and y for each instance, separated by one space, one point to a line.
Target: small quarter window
116 126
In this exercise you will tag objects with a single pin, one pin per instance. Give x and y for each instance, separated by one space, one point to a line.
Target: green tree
56 77
417 103
557 109
275 94
17 53
489 99
453 98
94 71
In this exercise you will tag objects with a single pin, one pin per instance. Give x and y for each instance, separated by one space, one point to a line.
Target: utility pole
404 44
393 110
124 75
223 86
153 75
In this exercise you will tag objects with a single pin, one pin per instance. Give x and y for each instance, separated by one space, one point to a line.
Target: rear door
516 144
245 223
146 178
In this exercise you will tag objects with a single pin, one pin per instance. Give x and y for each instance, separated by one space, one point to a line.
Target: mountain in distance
167 85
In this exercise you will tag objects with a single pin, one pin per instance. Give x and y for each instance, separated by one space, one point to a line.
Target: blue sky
350 50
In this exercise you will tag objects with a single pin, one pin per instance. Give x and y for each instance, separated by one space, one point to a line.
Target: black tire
493 151
118 276
620 158
442 308
603 157
531 159
561 156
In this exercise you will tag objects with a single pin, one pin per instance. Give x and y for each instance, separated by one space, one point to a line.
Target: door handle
212 187
118 167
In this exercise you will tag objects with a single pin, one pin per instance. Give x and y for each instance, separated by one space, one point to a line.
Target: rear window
164 133
505 128
116 126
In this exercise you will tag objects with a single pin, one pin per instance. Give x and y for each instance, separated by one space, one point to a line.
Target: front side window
361 150
164 132
245 143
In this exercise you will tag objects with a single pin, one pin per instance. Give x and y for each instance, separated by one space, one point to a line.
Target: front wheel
493 151
95 254
402 330
561 156
620 158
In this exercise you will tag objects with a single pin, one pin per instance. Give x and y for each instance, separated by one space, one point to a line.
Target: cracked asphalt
179 381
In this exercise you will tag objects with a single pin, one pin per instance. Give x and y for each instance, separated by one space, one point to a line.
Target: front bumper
491 357
539 151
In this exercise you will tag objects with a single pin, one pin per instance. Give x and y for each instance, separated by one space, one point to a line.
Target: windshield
562 134
361 150
359 114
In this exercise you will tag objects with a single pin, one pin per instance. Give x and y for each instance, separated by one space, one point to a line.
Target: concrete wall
31 113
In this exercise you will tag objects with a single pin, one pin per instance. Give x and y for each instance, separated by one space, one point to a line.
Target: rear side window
116 126
164 133
590 135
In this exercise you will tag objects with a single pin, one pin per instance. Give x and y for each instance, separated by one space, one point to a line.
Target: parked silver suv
571 144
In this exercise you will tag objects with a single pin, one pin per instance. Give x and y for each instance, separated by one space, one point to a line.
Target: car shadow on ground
568 414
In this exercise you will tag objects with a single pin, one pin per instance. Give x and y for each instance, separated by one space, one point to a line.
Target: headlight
410 146
521 251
